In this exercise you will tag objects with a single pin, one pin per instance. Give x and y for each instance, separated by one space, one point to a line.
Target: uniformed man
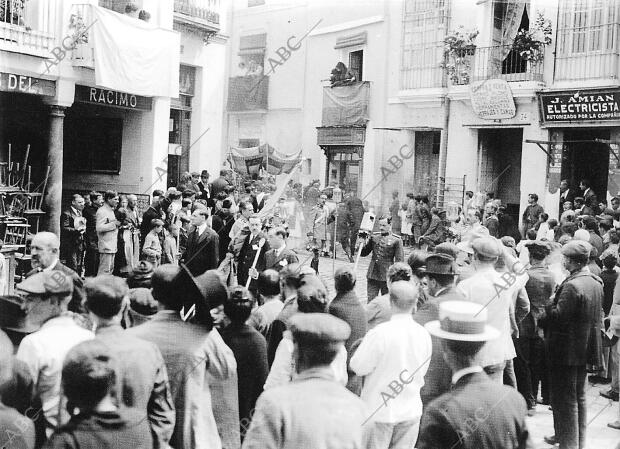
314 410
386 249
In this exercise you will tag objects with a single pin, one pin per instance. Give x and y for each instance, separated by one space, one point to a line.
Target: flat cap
318 329
487 247
582 234
577 249
441 264
51 282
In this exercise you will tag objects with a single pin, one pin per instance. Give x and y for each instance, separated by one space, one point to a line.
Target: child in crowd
524 253
152 250
543 227
171 252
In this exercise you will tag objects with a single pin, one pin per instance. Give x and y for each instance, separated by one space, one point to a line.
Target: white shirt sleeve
339 366
28 353
282 368
365 358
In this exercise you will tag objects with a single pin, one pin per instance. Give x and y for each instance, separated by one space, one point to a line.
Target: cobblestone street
600 410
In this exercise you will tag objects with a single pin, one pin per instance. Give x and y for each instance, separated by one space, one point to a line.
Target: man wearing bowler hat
313 411
477 412
573 340
54 333
441 271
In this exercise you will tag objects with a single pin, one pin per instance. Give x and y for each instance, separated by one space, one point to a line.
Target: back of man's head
105 295
291 275
164 286
88 374
403 297
399 271
268 283
344 279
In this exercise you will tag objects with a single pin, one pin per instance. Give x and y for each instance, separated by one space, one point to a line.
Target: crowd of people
194 325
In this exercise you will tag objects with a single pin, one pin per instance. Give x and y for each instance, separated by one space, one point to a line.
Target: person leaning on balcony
107 232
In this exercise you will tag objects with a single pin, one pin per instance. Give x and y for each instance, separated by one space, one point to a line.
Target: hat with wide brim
462 321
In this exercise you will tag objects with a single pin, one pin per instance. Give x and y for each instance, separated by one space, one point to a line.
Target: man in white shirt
107 232
47 295
394 357
494 291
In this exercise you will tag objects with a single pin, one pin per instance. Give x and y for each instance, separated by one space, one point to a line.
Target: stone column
53 194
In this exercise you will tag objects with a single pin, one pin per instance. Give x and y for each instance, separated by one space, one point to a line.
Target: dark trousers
568 399
530 369
374 287
74 260
91 261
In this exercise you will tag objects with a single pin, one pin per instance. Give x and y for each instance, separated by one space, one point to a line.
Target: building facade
490 120
96 138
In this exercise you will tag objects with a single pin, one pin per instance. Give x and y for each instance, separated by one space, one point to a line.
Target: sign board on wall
95 95
576 106
10 82
492 99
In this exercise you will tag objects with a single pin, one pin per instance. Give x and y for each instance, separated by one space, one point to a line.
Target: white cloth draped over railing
134 56
513 14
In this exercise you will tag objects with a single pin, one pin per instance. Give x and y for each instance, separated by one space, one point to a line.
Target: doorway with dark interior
585 158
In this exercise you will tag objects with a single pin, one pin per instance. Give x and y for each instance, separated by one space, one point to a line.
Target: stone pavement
600 410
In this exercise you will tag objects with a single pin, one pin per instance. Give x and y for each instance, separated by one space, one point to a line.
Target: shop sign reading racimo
107 97
575 106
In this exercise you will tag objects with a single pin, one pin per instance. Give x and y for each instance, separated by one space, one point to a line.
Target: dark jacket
122 429
609 278
90 235
356 211
348 308
142 380
75 305
202 252
436 231
574 321
250 350
386 249
438 376
539 287
247 255
71 240
477 414
219 185
145 227
285 258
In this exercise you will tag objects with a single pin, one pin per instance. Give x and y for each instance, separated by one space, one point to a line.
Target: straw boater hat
462 321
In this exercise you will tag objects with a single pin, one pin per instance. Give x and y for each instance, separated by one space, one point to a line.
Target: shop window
356 63
93 144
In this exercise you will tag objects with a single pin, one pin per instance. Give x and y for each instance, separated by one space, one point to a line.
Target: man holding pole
252 255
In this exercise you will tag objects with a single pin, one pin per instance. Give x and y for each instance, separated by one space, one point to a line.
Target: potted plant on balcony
12 12
459 47
530 44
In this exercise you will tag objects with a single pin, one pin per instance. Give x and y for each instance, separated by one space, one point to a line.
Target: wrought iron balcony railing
198 12
500 61
28 26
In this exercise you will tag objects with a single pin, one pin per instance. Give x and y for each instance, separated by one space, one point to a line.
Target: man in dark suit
205 189
203 245
566 193
477 413
91 257
221 183
153 212
252 245
72 228
355 214
279 256
45 248
442 271
573 340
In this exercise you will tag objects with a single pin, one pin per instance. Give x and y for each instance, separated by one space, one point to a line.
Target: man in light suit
279 256
190 352
251 246
107 232
313 411
203 245
477 413
72 228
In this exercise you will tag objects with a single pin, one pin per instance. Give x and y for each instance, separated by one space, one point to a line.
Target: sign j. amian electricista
580 106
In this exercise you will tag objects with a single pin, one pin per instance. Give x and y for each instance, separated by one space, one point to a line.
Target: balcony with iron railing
197 16
28 26
595 65
496 62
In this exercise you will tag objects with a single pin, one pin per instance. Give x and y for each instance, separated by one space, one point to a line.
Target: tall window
588 26
356 63
424 28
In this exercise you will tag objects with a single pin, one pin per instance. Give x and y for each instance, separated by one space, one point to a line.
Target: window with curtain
588 26
424 28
